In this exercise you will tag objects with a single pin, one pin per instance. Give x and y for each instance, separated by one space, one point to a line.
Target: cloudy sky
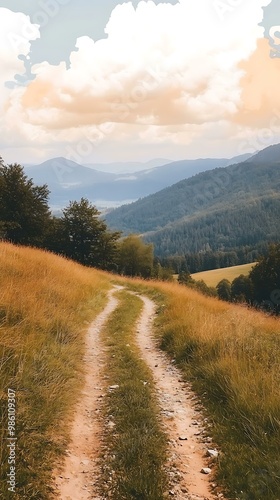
107 81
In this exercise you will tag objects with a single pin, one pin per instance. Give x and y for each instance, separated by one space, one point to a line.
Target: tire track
80 470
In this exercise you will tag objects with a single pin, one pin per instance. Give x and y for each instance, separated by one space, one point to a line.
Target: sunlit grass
231 355
46 303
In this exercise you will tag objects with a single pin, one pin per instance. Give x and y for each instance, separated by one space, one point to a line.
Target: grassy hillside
213 277
231 355
46 303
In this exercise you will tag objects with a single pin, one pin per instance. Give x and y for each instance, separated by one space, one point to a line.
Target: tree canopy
265 277
135 257
224 290
24 211
81 235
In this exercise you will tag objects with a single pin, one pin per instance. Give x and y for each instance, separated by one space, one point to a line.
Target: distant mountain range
221 209
68 180
128 167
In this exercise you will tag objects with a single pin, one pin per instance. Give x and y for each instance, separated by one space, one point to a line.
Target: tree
135 257
109 251
242 289
201 286
224 290
82 236
185 278
162 273
265 277
24 211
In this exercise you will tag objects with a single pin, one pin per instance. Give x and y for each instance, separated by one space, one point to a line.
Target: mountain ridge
167 217
68 180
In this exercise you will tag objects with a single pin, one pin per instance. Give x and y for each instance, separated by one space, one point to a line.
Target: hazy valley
68 180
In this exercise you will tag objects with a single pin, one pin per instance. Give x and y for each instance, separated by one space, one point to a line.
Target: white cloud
16 32
161 66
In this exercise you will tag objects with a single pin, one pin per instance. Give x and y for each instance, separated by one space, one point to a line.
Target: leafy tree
135 257
82 236
224 290
162 273
242 289
265 277
109 250
24 211
201 286
185 278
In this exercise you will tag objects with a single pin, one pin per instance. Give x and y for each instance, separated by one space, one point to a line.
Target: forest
222 232
226 216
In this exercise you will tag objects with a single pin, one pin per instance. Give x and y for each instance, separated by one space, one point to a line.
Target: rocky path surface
182 420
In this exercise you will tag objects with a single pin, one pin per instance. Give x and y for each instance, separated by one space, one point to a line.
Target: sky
130 81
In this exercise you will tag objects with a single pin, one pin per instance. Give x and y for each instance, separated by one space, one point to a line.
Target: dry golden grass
45 304
231 354
213 277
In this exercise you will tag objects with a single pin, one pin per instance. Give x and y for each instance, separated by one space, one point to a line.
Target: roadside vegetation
46 303
134 441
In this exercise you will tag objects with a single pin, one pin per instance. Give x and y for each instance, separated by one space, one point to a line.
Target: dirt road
182 422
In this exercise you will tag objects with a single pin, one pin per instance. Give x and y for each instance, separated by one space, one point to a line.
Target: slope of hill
226 228
45 301
231 356
218 209
68 180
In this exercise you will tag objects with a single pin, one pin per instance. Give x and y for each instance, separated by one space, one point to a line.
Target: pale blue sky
74 19
272 18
